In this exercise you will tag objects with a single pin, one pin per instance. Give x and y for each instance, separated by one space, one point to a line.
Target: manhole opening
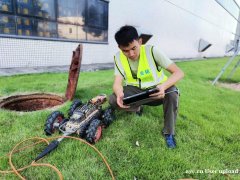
31 102
39 101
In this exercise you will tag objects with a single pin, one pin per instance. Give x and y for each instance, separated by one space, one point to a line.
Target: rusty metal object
31 102
74 73
39 101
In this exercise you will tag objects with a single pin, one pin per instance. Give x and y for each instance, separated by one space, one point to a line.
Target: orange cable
14 150
17 150
49 165
21 149
10 156
99 153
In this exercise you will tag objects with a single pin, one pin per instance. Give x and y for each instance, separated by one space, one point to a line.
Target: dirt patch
234 86
31 102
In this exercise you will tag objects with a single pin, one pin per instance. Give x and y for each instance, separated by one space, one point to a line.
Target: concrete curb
53 69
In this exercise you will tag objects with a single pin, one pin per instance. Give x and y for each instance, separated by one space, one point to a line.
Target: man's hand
118 90
161 92
120 96
176 75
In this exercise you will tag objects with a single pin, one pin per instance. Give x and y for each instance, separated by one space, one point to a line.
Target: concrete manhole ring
31 102
40 101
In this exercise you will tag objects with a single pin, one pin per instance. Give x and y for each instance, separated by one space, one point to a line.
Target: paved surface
31 70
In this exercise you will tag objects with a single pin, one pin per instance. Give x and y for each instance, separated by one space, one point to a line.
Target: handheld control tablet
140 96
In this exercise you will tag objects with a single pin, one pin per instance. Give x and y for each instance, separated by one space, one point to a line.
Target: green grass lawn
207 130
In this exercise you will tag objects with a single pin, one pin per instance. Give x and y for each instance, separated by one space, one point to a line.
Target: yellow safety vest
148 74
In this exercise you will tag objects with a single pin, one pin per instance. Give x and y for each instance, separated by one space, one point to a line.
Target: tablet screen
140 96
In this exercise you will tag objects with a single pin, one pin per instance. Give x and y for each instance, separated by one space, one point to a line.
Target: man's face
132 51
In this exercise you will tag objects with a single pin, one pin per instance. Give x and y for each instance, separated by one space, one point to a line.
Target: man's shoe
140 111
170 141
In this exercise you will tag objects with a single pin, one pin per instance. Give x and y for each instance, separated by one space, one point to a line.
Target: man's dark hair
125 35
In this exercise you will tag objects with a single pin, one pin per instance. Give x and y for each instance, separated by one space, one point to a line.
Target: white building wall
33 53
178 28
176 25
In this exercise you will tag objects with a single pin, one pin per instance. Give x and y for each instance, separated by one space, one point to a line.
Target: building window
6 6
97 14
25 26
74 20
231 6
71 11
7 24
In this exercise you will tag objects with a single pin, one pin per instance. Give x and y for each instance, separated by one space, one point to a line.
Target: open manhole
31 102
39 101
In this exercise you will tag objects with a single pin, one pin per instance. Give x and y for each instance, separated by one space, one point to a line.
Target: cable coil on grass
46 140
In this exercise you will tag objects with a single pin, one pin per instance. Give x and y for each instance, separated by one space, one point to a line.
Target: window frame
50 20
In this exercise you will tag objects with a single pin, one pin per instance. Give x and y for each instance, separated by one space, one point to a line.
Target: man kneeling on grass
140 67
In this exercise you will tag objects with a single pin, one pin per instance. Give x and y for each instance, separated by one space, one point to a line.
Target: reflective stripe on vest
147 74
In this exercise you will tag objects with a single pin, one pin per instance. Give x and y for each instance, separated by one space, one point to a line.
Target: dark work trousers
169 102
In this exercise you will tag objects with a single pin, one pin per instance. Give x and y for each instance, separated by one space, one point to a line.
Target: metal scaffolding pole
225 67
236 51
234 69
